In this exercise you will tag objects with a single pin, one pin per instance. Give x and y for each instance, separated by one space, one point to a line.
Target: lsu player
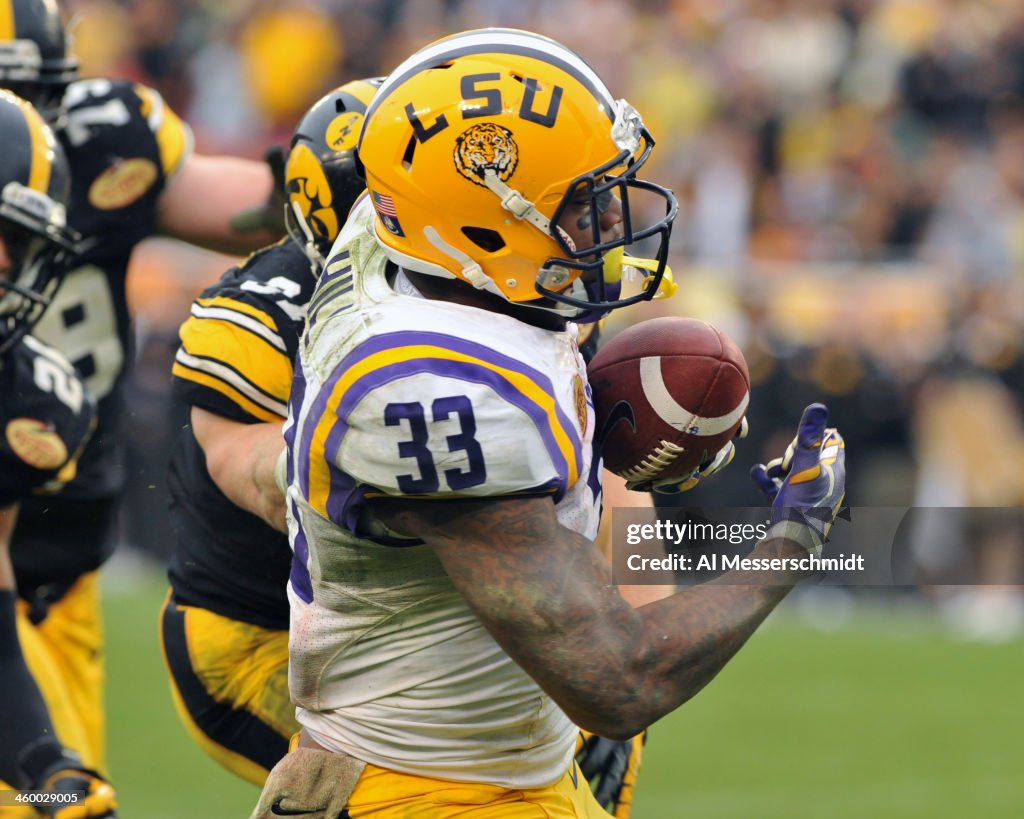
133 175
450 615
46 416
224 628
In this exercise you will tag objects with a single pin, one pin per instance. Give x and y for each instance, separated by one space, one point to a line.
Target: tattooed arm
546 595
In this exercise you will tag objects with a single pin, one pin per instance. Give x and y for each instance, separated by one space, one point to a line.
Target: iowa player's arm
234 368
128 147
241 459
204 192
8 515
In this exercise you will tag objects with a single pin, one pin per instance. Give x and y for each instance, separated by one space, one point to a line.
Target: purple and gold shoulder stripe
388 358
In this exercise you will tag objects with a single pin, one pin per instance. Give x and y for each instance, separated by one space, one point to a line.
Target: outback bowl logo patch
36 443
122 183
580 396
487 146
343 132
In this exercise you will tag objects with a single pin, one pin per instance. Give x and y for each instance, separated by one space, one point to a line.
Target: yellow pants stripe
229 683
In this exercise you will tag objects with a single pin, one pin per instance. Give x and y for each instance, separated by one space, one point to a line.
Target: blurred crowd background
851 174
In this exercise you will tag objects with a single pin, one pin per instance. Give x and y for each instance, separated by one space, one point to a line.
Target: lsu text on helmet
322 179
33 224
34 59
475 147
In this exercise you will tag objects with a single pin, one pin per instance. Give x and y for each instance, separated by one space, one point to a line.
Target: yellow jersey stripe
173 137
187 373
269 371
241 307
42 151
319 477
6 19
211 316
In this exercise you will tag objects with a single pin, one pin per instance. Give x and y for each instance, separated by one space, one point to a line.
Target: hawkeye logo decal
36 443
122 183
310 190
486 146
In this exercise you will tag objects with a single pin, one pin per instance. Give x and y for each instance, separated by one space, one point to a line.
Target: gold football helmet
475 147
34 59
321 177
34 184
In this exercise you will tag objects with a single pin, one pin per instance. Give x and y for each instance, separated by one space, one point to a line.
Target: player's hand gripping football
96 798
806 486
719 462
611 768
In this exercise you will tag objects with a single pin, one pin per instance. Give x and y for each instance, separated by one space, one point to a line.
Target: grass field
885 716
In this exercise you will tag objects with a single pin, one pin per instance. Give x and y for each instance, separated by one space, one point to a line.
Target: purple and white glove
806 486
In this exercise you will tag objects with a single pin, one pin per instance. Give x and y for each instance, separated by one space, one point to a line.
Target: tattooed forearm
546 595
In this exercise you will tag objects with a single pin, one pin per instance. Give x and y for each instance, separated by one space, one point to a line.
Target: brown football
668 393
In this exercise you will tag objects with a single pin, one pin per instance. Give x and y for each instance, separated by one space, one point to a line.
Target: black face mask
22 314
17 242
45 97
37 269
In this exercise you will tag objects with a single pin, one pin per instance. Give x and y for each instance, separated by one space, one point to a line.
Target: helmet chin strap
470 269
514 202
475 275
307 241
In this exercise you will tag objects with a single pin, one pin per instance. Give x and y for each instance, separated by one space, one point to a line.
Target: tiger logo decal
486 145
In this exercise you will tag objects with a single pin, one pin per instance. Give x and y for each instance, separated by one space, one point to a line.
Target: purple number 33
418 447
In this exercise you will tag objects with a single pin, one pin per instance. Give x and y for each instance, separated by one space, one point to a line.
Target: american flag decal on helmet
385 207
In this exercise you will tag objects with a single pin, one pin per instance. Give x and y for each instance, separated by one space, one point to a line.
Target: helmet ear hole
486 239
410 149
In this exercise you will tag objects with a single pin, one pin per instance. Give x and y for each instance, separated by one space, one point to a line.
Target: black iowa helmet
34 59
37 243
322 179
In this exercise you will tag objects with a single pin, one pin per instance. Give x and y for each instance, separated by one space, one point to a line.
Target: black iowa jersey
235 359
46 415
122 142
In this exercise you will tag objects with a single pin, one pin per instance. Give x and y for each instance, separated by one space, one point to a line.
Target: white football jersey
405 396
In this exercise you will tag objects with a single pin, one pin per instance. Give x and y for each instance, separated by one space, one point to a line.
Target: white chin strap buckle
515 203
